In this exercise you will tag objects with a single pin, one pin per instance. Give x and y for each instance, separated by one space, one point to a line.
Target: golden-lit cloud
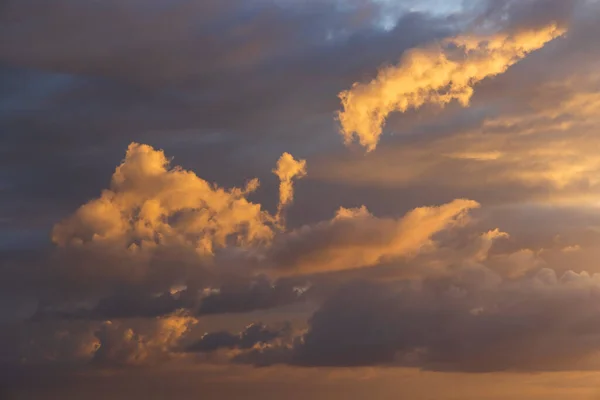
355 238
436 74
545 150
550 169
120 344
150 203
152 207
287 170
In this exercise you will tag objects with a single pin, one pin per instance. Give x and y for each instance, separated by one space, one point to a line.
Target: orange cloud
355 238
154 210
287 170
150 203
436 74
544 150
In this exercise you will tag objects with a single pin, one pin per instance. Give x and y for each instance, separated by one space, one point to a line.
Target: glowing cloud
287 170
150 203
436 74
157 212
355 238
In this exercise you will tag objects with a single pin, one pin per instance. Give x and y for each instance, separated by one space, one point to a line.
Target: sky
324 199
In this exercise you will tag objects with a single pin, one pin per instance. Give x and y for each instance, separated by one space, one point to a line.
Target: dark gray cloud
134 301
252 335
126 304
129 306
261 294
471 322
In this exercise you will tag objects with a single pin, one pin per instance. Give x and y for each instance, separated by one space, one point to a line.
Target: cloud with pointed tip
436 74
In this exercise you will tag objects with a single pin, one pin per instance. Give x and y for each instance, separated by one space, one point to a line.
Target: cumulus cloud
150 203
287 170
119 344
157 226
155 215
437 74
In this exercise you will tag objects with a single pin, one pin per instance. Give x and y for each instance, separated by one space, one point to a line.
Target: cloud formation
150 203
119 344
155 214
287 170
355 238
259 294
541 148
465 307
473 321
107 343
254 334
226 87
436 74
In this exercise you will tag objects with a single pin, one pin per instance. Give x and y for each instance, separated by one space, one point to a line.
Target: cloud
156 227
260 294
85 343
119 344
254 334
472 322
466 305
287 170
226 92
160 226
126 303
150 203
521 150
436 74
235 295
439 318
355 238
